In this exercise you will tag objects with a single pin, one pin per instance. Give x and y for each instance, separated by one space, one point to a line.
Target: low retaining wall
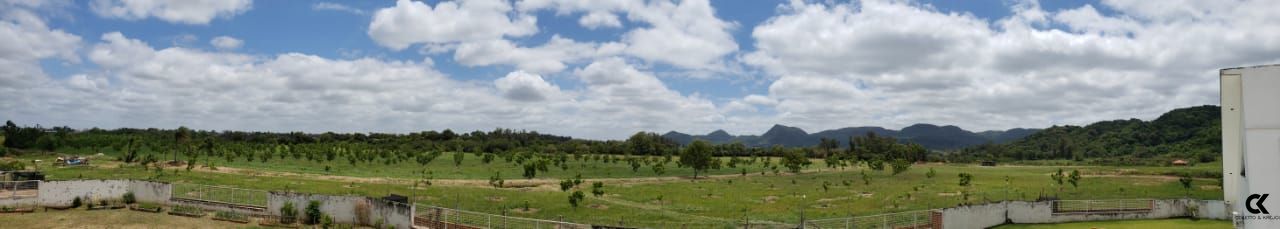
346 209
1022 212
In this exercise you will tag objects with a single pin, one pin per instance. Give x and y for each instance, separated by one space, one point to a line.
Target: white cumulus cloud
198 12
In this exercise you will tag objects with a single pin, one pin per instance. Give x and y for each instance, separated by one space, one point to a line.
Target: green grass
1129 224
713 202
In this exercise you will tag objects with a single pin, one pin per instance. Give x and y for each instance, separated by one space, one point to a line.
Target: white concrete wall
151 192
15 202
61 193
343 208
1021 212
974 216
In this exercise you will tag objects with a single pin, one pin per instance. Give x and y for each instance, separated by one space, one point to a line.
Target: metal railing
911 219
438 217
221 194
19 189
1094 206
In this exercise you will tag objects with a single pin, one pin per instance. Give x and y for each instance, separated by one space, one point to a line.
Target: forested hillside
1192 134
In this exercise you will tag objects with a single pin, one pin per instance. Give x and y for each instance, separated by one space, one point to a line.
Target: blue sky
690 66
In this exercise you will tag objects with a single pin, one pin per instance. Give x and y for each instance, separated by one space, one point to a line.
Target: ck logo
1249 204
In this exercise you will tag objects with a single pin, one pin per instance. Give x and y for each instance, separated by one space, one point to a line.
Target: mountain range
931 136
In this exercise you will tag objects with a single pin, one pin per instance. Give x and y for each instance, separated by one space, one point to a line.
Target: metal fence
221 194
438 217
1094 206
911 219
19 189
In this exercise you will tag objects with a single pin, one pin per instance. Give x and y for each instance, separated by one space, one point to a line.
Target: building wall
974 216
151 192
61 193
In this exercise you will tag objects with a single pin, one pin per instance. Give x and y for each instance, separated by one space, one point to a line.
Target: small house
1179 162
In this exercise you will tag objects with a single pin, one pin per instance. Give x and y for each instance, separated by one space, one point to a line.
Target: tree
696 156
3 150
1185 180
1059 178
530 170
180 138
496 180
931 174
576 198
876 164
794 160
287 213
457 159
866 180
597 189
313 212
1074 178
900 165
659 168
965 179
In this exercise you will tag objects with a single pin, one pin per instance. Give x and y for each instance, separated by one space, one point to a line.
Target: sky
604 69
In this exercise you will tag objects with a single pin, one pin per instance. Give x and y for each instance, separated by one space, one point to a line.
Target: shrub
288 214
326 222
129 198
75 203
313 212
233 216
597 189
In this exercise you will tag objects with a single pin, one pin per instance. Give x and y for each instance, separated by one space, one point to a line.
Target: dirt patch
496 198
948 193
712 196
525 211
826 200
599 206
771 199
866 195
1209 187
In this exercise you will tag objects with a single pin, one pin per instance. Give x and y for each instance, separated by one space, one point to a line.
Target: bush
326 222
129 198
288 214
75 203
313 212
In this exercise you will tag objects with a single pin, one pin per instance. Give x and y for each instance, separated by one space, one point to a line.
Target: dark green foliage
12 166
931 174
795 160
597 189
313 212
1186 180
576 198
696 156
76 202
900 166
288 214
129 198
1192 133
1074 178
966 179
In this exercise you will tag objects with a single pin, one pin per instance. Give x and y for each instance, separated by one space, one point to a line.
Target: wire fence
1095 206
911 219
220 194
19 189
438 217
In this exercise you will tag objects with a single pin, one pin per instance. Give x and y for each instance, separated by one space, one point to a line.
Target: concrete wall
1021 212
15 202
61 193
343 208
151 192
974 216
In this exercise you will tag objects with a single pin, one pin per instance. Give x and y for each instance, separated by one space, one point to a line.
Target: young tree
659 169
1074 178
1185 180
597 189
496 180
866 180
900 165
1059 178
794 160
931 174
696 156
530 170
576 198
966 179
457 159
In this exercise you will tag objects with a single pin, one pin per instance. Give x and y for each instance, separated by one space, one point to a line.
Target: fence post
884 221
488 221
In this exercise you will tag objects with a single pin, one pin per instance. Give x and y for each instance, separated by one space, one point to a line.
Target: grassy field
1129 224
119 218
645 199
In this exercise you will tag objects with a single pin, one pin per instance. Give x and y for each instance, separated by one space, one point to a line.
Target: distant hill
930 136
1184 133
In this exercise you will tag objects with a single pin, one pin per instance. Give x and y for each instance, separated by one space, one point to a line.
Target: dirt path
537 184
